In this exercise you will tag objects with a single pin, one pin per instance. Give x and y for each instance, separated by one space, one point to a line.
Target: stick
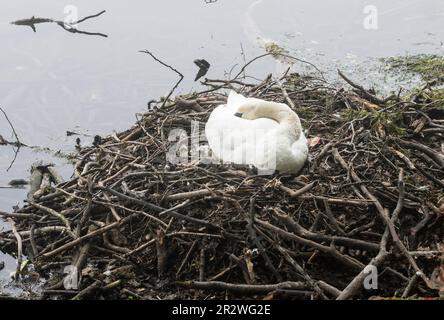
33 21
19 245
93 234
88 290
364 92
35 251
241 288
335 292
18 144
56 214
186 258
302 272
74 30
161 253
409 287
89 17
258 243
438 158
202 261
299 192
16 215
171 68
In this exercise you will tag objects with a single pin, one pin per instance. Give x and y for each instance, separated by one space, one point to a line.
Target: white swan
265 134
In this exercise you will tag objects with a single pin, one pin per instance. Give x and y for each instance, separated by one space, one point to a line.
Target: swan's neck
288 120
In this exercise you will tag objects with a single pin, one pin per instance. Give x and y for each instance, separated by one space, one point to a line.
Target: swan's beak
238 114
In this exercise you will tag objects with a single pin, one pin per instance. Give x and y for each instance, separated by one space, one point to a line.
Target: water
52 81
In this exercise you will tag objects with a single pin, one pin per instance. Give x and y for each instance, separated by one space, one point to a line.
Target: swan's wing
300 147
220 130
223 118
234 139
299 150
222 121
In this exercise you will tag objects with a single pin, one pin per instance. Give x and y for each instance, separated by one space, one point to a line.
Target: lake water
52 81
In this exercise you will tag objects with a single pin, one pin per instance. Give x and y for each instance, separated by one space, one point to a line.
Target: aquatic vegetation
428 67
380 121
274 49
69 156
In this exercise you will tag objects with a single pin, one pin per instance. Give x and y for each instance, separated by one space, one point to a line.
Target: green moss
390 121
274 49
437 97
431 98
428 67
351 114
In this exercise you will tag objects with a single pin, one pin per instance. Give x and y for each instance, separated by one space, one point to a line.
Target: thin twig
171 68
17 143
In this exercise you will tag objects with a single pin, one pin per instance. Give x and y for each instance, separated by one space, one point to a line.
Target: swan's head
256 108
247 111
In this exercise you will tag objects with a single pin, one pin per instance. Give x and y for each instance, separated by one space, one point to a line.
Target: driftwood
17 143
69 27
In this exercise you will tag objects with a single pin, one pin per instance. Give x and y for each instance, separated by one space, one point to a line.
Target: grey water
52 81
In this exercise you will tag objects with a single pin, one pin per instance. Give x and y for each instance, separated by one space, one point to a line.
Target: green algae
428 67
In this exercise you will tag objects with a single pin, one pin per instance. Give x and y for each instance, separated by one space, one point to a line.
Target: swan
262 133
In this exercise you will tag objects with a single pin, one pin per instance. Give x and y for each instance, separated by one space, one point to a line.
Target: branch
74 30
241 288
33 21
19 245
367 95
171 68
89 17
18 144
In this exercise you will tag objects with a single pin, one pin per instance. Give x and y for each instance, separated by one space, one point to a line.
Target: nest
137 226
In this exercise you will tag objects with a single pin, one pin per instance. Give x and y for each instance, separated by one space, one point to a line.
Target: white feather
262 142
